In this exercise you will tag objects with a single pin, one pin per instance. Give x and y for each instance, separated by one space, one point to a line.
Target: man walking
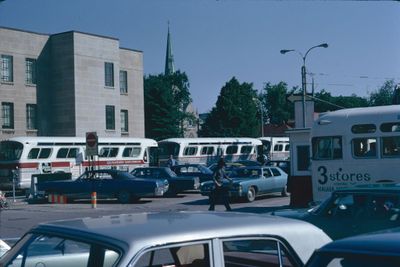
221 191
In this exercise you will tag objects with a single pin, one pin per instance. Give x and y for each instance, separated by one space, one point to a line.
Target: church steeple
169 58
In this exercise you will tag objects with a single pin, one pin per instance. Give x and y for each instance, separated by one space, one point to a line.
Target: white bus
276 148
207 150
355 146
25 156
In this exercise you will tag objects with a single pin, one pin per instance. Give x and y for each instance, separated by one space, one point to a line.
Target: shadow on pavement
260 209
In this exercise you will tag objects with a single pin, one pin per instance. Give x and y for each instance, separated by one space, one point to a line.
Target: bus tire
124 197
251 194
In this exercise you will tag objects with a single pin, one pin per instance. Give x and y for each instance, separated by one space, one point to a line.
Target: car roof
382 243
149 229
372 188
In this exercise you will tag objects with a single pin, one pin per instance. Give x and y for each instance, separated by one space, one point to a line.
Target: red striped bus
25 156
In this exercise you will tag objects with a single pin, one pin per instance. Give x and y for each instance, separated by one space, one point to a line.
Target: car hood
292 213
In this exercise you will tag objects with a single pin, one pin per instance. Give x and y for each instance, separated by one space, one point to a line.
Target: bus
276 148
353 147
22 157
207 150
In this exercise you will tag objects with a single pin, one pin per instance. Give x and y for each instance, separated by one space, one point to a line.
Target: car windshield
170 172
245 173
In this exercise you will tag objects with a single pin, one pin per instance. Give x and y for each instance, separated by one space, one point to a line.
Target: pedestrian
221 191
171 161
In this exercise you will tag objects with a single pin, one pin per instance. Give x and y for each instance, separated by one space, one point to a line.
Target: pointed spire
169 58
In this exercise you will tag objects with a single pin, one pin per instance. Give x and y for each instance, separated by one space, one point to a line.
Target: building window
123 82
109 74
124 121
31 116
7 114
7 68
110 117
30 69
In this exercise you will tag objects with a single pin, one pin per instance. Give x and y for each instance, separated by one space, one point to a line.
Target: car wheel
124 197
284 192
251 194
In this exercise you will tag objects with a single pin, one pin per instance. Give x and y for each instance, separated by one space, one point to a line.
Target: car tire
251 194
124 197
284 192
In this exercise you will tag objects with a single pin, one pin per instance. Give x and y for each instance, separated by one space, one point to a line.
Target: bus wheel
284 192
124 197
251 194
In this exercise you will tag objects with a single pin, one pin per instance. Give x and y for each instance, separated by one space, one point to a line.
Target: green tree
324 101
235 113
166 98
279 110
384 95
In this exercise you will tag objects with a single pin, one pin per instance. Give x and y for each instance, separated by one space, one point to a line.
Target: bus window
10 150
278 147
190 151
44 153
131 152
113 152
390 127
33 154
364 147
108 152
363 128
231 150
287 147
207 150
73 152
62 153
246 149
391 146
327 147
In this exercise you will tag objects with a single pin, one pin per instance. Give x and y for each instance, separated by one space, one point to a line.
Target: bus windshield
10 150
168 148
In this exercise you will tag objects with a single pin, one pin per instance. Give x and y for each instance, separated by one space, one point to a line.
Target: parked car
4 247
369 250
353 211
168 239
283 164
177 184
106 183
251 182
193 170
229 166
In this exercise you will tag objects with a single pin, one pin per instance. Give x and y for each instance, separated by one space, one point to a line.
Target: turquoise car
252 181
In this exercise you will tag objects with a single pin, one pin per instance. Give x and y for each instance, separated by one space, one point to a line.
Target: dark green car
353 211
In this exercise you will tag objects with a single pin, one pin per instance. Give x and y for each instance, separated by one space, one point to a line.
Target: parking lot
21 216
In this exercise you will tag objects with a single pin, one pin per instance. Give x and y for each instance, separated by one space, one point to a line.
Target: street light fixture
303 74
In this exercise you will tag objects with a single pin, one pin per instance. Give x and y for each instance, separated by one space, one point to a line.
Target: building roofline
92 34
131 49
72 31
21 30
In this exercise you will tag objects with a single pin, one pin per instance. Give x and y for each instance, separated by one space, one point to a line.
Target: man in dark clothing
220 191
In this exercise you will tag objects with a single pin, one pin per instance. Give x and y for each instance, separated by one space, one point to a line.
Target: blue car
177 184
193 170
251 182
107 184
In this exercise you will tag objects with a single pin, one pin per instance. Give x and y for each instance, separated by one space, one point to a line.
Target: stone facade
70 91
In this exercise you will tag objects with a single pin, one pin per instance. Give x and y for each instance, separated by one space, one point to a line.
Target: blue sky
213 41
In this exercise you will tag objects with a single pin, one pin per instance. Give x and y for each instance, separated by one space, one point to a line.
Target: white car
4 247
168 239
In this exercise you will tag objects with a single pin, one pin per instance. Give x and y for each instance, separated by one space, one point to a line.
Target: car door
280 179
341 216
268 183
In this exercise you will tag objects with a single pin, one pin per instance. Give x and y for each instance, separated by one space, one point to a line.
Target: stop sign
91 139
91 144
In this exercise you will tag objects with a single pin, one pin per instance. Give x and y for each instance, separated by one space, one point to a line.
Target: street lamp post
303 75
